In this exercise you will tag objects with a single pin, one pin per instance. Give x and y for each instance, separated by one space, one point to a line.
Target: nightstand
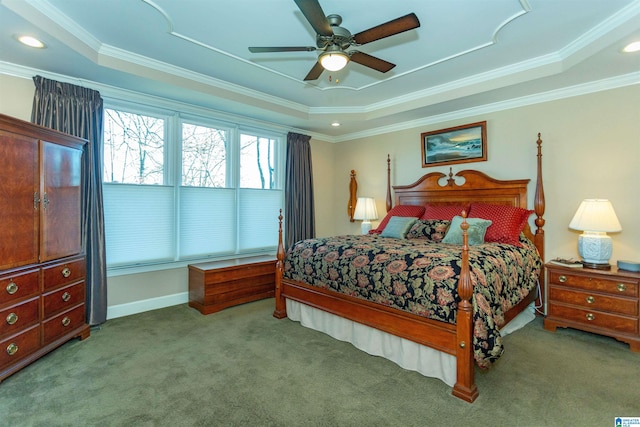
604 302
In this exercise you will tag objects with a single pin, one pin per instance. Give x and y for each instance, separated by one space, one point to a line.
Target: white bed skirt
406 354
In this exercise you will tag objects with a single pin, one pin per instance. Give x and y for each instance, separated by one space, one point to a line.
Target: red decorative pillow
400 210
443 212
507 222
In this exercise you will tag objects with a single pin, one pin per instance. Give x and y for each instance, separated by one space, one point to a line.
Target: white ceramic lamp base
366 227
595 248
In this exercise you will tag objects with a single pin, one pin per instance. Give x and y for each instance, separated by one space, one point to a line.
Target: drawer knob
12 349
562 278
66 272
66 321
591 317
12 318
66 296
12 288
591 299
622 287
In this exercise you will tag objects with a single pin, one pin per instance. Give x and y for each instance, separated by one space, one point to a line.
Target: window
211 191
133 148
204 156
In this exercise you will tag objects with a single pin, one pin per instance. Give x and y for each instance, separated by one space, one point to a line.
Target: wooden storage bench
216 285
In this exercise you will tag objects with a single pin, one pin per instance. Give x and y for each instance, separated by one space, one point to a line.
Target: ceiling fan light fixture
333 59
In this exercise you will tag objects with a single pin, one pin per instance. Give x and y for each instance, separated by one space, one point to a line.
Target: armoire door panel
19 196
60 205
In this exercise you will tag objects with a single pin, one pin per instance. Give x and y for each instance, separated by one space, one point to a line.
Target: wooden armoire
42 265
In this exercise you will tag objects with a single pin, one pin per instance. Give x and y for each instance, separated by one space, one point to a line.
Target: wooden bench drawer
214 286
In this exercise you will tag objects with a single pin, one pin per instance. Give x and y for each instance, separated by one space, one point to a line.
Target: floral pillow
430 229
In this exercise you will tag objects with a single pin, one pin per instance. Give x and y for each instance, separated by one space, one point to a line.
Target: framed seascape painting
460 144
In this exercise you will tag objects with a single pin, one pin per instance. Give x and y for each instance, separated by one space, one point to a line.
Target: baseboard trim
141 306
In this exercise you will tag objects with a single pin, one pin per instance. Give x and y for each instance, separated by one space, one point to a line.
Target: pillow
429 229
443 211
507 222
477 229
398 226
400 210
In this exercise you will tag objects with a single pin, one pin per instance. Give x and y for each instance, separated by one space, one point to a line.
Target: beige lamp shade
595 215
365 211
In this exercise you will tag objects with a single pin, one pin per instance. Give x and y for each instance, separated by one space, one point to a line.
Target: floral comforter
420 276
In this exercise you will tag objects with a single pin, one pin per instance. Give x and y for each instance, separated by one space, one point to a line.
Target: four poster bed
425 301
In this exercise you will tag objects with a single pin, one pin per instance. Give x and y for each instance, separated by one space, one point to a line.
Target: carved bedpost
353 196
281 308
539 205
389 202
465 387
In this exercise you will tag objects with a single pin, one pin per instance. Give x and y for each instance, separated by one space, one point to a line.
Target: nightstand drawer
616 286
594 301
595 318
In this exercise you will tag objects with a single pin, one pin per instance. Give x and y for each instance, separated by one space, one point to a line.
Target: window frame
174 119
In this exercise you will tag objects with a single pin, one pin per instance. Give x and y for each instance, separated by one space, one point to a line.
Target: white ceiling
466 54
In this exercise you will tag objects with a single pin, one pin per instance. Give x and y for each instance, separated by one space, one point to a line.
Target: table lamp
365 211
595 217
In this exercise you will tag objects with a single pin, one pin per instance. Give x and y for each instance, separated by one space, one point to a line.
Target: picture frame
460 144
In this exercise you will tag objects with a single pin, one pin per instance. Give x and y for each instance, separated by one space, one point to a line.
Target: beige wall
591 149
16 96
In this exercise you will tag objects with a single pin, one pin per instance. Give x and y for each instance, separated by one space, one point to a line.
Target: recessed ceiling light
31 42
632 47
335 124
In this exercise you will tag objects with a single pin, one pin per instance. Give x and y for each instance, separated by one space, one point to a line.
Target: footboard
455 339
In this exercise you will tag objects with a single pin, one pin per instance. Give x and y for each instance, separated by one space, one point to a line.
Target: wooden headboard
437 188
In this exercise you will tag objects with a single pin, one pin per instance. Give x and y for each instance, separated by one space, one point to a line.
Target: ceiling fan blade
282 49
312 10
371 61
315 72
396 26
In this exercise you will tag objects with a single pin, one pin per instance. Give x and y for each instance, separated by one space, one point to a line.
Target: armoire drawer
63 299
18 285
19 316
63 323
18 346
65 273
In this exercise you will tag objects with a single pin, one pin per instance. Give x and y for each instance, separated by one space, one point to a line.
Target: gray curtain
299 208
79 111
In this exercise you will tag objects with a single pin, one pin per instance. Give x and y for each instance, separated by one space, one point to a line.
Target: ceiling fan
334 40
